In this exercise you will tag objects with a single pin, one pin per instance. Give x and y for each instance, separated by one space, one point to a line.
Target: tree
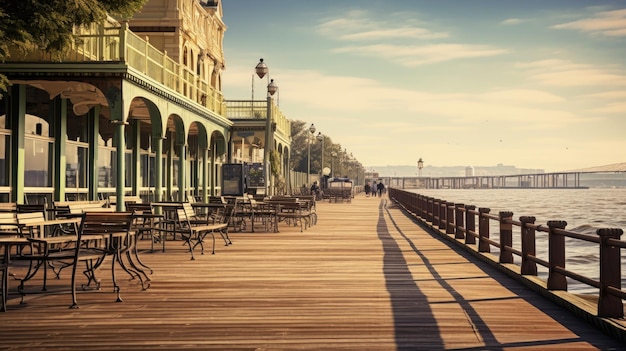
299 149
47 25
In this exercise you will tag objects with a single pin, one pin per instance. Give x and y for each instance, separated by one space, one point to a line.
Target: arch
218 143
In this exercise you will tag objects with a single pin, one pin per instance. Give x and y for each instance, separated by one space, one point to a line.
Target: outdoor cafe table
168 212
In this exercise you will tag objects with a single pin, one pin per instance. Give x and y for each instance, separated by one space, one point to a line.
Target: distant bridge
557 180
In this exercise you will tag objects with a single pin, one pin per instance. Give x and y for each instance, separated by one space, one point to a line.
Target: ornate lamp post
261 71
420 165
308 141
320 138
332 164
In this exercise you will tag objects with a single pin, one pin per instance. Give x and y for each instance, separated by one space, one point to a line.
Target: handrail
459 220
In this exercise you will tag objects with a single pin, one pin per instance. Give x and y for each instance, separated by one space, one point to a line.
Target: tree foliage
48 25
300 149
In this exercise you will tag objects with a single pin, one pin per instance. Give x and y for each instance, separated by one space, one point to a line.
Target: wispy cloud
395 40
568 74
356 26
514 21
612 108
606 23
415 55
607 95
394 33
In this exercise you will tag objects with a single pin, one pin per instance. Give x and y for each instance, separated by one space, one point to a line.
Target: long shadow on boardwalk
411 308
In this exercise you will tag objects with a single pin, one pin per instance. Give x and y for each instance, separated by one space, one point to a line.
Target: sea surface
584 210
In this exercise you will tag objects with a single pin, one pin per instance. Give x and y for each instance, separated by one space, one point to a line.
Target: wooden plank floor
364 278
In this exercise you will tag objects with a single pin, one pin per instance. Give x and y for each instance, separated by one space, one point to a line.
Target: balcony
113 42
257 110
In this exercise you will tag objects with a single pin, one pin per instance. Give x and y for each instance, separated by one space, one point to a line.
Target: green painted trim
120 148
182 161
205 175
135 141
17 113
93 122
158 168
59 116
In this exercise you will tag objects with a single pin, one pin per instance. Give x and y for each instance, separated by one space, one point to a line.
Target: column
17 115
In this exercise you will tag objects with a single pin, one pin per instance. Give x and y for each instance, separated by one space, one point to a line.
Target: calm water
584 210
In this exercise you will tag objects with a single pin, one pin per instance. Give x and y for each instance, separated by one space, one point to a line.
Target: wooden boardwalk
364 278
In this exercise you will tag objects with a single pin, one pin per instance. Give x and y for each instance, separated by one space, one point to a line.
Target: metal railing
459 220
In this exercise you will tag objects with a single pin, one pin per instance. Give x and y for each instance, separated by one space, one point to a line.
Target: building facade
134 108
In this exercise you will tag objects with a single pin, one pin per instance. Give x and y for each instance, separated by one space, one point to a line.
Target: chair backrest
8 206
81 207
223 215
8 224
189 211
28 218
105 222
138 207
217 200
132 199
23 208
182 219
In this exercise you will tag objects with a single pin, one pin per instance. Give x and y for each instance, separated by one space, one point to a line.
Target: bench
194 234
292 209
338 194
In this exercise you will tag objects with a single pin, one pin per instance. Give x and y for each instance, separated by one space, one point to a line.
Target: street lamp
308 141
261 71
320 137
420 165
332 163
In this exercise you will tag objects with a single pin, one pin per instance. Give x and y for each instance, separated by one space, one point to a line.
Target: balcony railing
257 110
114 42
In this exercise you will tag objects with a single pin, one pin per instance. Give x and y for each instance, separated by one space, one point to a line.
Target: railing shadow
408 302
416 326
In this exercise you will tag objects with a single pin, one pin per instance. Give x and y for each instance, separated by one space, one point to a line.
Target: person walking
374 189
381 188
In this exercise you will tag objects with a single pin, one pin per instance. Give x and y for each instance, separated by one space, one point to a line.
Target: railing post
470 225
610 274
449 217
459 232
415 204
429 209
435 205
528 246
163 67
100 42
483 229
122 49
443 210
506 237
146 48
556 256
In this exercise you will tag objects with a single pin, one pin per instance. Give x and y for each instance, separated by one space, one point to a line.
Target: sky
534 84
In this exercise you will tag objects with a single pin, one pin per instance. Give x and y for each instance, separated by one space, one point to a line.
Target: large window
37 161
76 166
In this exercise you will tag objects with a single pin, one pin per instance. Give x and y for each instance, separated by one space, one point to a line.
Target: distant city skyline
538 84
